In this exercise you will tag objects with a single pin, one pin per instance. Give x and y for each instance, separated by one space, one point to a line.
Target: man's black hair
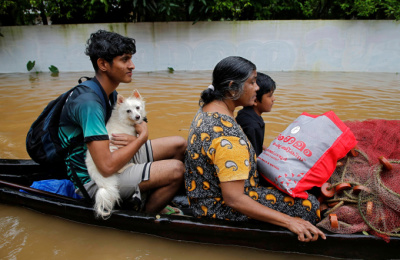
108 45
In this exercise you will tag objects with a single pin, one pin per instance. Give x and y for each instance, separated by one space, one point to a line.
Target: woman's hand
305 230
233 195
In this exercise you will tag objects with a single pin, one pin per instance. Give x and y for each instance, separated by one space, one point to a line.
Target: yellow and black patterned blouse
219 151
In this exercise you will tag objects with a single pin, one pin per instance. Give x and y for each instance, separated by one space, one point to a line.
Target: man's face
121 69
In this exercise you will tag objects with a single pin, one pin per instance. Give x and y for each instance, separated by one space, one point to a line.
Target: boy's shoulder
81 90
246 111
83 102
248 117
83 96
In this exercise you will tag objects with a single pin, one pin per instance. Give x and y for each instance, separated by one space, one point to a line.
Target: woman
221 177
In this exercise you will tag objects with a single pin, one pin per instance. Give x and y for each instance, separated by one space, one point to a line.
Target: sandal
169 210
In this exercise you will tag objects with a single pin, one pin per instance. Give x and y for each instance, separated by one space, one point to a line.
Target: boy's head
265 95
108 45
266 85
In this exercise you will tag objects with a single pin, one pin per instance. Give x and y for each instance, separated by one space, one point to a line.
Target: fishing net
363 194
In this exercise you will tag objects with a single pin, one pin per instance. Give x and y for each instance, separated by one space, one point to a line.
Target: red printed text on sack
299 145
270 164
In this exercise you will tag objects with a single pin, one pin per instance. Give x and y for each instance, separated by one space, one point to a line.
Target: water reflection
12 237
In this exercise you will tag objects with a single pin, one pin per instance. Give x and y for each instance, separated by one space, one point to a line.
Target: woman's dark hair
266 85
108 45
229 76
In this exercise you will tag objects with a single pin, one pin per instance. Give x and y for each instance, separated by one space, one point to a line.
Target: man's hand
121 140
142 131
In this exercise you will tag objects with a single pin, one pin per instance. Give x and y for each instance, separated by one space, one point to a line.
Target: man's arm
108 162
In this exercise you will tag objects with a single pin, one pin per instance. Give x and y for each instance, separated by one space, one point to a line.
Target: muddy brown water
171 102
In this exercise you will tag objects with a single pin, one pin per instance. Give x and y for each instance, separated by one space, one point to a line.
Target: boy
158 168
249 118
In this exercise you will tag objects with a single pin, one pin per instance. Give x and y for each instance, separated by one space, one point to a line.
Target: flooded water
172 101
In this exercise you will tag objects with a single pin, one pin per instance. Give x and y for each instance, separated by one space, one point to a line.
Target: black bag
42 142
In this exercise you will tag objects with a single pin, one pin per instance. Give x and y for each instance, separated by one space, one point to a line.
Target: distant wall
317 45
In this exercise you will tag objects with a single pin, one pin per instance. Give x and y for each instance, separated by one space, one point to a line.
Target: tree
24 12
15 13
352 9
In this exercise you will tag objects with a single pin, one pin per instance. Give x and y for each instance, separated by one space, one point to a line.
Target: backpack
42 142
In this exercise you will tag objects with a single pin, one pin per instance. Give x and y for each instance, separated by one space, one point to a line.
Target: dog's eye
137 108
128 111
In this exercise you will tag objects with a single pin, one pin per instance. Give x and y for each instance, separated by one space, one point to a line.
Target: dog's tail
105 200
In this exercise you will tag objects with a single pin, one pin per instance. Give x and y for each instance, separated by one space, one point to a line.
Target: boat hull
249 234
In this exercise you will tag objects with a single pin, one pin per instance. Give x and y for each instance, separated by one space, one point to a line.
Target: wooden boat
17 174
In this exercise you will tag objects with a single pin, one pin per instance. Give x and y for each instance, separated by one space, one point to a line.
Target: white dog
126 114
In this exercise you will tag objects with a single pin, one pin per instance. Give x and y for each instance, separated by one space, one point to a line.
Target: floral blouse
219 151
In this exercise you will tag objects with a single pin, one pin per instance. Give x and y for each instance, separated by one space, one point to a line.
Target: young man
249 118
158 170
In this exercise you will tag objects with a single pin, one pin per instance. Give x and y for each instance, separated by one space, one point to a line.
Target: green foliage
167 10
351 9
278 10
15 12
53 69
30 65
230 10
24 12
171 70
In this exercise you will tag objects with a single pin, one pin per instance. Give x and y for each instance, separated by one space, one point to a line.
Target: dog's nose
137 117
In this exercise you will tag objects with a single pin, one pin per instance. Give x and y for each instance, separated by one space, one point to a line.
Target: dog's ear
136 94
120 99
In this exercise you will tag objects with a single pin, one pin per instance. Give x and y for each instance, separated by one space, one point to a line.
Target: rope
371 226
377 174
361 198
378 178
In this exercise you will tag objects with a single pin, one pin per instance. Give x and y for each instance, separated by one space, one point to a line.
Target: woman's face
249 94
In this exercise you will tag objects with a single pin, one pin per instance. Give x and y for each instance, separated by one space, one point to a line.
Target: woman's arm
233 195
